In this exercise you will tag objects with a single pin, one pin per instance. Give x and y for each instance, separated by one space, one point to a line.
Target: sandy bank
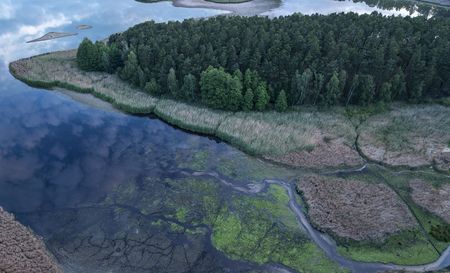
21 251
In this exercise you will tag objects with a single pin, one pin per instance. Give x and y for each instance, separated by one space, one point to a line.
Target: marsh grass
411 127
275 133
194 118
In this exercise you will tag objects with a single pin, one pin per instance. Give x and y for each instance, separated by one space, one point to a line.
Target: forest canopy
256 63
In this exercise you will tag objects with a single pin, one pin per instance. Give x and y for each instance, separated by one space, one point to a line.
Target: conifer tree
172 83
152 87
189 87
281 102
261 98
248 104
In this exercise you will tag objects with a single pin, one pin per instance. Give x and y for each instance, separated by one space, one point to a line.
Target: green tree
248 103
281 102
249 80
105 62
152 87
141 80
332 91
238 74
115 58
88 56
220 90
342 81
261 98
386 92
366 89
189 87
130 71
301 83
172 83
398 88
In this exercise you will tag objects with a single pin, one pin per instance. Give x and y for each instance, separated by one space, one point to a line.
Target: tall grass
272 133
194 118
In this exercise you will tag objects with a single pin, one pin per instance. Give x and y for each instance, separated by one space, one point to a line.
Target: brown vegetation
331 154
354 209
21 251
435 200
412 136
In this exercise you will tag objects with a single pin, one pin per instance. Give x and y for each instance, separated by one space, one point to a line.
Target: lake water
95 183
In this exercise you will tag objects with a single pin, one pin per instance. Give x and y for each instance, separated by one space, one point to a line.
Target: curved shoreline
309 131
309 147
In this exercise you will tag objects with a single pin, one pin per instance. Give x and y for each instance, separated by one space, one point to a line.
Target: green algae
263 230
258 228
405 248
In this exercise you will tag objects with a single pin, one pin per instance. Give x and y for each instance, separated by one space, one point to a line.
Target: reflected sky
331 6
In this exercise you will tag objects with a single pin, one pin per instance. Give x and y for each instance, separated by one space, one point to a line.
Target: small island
84 27
52 35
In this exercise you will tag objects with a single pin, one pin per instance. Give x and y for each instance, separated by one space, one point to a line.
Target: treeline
255 63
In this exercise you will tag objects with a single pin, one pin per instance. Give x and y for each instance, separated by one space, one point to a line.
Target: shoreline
319 142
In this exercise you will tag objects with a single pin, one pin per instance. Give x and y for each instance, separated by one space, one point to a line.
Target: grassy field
267 134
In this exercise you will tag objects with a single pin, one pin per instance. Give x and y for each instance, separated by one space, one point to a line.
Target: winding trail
321 239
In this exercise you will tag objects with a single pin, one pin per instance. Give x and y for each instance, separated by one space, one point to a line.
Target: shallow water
66 168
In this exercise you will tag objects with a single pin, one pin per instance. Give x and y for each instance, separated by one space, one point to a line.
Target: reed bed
272 133
189 117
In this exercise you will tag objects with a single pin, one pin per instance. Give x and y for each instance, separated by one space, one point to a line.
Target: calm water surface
61 162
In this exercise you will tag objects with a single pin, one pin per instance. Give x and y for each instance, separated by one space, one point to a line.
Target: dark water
66 168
